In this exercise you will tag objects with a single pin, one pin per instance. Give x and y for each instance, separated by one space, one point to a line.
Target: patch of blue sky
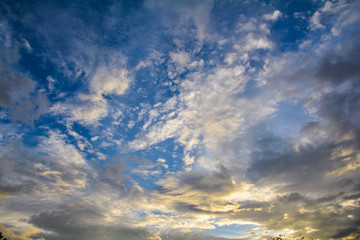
224 16
288 120
293 27
211 52
4 116
142 172
257 60
33 135
251 90
231 231
157 212
79 129
49 77
150 90
142 214
169 150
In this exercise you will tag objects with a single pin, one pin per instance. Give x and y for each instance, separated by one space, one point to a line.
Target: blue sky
179 119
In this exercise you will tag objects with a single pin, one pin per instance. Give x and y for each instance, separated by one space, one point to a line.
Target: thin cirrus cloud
179 120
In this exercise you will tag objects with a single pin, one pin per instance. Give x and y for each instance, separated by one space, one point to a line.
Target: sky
179 119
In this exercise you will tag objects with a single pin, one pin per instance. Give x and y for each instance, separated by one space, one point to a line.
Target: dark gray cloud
321 173
324 172
292 165
83 220
13 188
217 182
340 106
323 217
33 172
342 110
114 172
343 63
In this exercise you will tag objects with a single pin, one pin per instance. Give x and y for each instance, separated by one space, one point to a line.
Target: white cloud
188 160
252 43
338 15
181 58
67 154
131 124
51 82
109 81
146 173
85 109
81 142
273 16
27 45
90 108
207 113
315 21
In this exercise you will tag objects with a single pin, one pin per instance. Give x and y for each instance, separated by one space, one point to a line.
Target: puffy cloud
109 81
180 58
253 43
274 16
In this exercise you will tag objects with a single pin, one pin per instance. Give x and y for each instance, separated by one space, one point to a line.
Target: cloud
54 169
295 167
285 164
47 175
190 14
341 64
315 21
274 16
207 111
81 60
181 60
85 109
89 109
339 15
26 235
318 167
253 43
74 221
109 81
20 96
156 237
203 119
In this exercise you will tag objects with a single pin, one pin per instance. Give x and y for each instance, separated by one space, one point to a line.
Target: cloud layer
179 120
